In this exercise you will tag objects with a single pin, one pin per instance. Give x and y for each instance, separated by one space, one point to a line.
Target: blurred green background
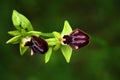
100 60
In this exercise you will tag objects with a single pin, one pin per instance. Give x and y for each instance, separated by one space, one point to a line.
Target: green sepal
66 28
14 40
67 52
48 55
23 49
14 33
20 21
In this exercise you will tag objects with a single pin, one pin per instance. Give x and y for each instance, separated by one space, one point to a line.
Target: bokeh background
100 60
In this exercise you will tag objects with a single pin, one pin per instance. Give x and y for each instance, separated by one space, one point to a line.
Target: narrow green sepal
67 52
14 33
66 28
14 40
48 55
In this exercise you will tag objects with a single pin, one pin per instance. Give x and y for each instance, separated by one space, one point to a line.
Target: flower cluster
28 38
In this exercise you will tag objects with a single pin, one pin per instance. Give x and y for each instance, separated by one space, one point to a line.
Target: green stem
47 34
52 41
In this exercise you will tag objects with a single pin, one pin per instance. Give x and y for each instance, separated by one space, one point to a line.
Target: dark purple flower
76 39
37 45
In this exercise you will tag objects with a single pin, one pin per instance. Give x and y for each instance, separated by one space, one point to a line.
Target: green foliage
14 33
67 52
66 29
48 55
22 24
14 40
20 21
25 31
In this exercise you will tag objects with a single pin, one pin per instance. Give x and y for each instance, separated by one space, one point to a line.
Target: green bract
24 31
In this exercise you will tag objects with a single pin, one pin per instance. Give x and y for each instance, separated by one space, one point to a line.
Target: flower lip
76 39
37 45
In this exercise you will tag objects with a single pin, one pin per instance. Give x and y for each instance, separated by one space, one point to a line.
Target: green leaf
14 40
20 20
67 52
48 54
23 49
14 33
16 20
66 29
34 33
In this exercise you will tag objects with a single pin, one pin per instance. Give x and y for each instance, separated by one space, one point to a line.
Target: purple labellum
76 39
37 45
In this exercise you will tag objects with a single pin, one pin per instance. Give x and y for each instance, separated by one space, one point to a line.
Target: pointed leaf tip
48 55
14 33
67 52
66 28
14 40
